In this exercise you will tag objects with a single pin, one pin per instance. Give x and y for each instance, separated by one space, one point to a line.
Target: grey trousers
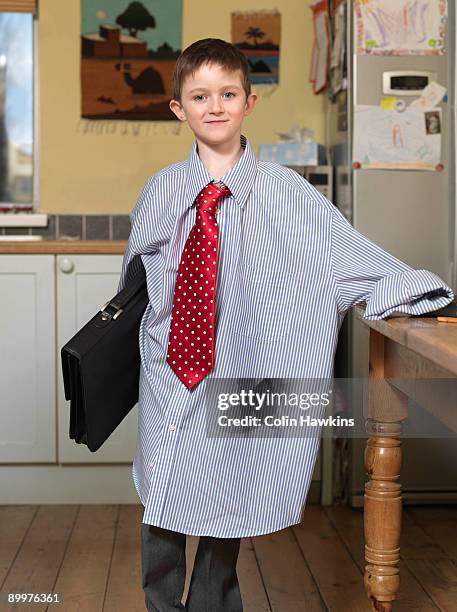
214 583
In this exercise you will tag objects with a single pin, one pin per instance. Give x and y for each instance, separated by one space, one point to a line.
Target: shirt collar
239 179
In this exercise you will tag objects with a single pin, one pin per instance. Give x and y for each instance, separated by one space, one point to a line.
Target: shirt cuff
413 292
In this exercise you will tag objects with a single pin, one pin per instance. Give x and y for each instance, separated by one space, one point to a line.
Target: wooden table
412 349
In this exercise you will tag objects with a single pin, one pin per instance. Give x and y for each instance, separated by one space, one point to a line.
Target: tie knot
209 196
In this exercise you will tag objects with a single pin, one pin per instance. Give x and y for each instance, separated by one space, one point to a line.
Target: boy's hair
209 51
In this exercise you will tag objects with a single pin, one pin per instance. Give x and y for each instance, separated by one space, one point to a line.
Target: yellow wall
89 173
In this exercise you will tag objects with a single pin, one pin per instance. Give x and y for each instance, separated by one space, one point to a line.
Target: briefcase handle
136 284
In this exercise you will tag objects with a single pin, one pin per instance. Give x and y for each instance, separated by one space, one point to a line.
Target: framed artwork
257 34
128 53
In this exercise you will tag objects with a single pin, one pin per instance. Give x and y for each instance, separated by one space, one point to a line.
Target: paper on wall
386 138
338 64
338 40
321 46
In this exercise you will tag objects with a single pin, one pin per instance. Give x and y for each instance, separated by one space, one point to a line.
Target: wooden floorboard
440 524
37 563
14 524
91 554
252 587
191 551
124 591
288 581
429 563
84 572
338 577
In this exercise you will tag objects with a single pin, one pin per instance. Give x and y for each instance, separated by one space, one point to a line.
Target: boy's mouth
218 121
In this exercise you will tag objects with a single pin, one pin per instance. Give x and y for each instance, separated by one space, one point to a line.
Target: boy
250 271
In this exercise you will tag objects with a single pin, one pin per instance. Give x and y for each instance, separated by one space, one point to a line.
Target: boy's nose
216 105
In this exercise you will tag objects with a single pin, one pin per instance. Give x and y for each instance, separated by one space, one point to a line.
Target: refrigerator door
407 212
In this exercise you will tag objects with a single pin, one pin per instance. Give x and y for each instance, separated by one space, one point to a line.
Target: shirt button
172 427
151 465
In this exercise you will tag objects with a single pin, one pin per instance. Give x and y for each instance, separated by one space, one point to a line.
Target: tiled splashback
78 227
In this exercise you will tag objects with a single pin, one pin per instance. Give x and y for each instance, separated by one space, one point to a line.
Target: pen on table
447 319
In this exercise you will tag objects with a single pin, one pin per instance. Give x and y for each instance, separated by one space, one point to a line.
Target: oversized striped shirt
289 267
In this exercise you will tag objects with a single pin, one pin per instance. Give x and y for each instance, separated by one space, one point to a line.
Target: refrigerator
411 214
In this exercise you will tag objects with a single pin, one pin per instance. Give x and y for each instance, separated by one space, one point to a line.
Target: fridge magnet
399 27
258 35
388 102
128 52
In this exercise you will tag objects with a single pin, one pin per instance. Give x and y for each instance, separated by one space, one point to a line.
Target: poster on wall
400 27
128 53
258 35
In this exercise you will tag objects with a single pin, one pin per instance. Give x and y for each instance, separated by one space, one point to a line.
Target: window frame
18 208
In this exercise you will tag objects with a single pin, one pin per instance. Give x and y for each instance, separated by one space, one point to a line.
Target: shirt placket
179 405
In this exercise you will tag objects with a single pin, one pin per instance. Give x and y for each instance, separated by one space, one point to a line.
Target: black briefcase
101 363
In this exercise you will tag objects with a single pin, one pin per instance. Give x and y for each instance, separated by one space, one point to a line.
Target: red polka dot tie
191 340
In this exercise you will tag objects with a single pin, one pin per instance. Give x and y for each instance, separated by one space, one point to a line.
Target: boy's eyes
228 94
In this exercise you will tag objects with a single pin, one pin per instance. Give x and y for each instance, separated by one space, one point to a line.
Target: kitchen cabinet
28 359
45 299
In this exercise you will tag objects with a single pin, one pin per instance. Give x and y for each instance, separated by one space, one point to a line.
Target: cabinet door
84 284
27 372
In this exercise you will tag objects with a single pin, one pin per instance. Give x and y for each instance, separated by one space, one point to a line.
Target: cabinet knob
66 265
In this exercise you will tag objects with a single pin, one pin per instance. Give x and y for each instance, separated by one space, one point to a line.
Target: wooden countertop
426 336
100 247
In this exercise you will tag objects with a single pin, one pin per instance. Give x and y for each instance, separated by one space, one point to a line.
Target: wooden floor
91 554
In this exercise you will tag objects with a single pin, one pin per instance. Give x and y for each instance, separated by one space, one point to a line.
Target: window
17 107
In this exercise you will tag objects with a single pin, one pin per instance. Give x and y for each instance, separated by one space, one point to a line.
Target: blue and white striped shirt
289 267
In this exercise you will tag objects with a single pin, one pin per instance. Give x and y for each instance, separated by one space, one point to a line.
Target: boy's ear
250 103
178 110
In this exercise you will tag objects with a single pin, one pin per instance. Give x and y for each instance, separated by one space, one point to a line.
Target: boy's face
214 104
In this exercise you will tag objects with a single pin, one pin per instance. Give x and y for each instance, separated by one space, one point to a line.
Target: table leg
382 516
387 407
